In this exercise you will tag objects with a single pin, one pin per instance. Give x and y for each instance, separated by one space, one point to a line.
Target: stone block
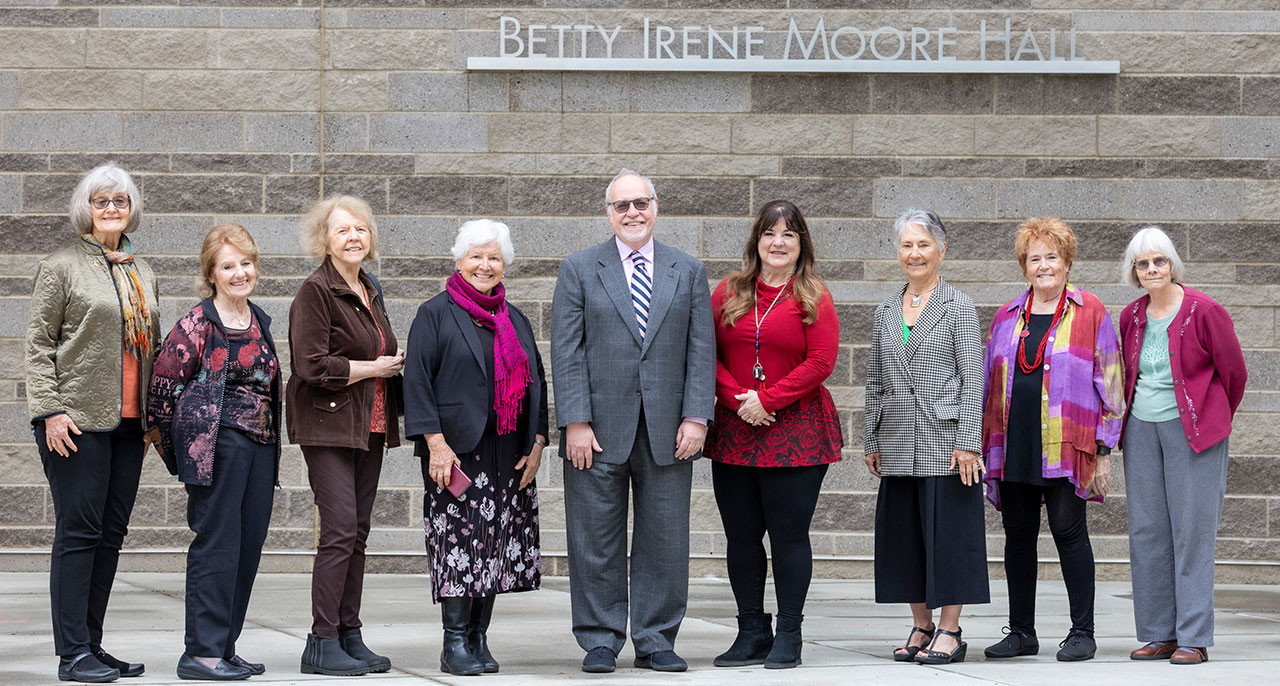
46 192
42 48
1179 199
963 166
428 133
240 194
1159 136
368 164
45 131
229 162
24 505
949 198
557 195
75 89
9 90
61 17
470 195
1057 95
159 17
660 133
1168 21
1179 95
536 92
591 92
281 132
1251 137
346 132
379 18
372 189
409 49
725 238
905 134
279 48
145 48
21 161
1066 198
231 90
290 194
690 92
486 92
183 132
1253 475
854 239
470 163
432 92
798 134
1261 199
1046 135
1260 95
817 197
810 93
255 18
946 94
593 164
392 508
9 194
693 196
40 234
556 133
840 166
304 163
712 165
356 91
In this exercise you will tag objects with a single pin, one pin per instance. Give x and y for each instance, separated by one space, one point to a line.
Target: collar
338 284
1073 294
624 250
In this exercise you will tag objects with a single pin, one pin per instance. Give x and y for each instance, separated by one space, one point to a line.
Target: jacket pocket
331 403
946 411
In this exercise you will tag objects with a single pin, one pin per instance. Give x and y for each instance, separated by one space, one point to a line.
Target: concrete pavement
848 638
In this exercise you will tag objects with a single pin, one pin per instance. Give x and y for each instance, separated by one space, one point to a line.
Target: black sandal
928 656
911 650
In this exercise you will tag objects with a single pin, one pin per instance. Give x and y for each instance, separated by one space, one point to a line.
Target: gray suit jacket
604 372
924 397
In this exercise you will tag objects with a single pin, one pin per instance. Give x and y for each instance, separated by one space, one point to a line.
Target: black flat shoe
929 656
254 667
127 669
85 668
1016 642
190 668
910 655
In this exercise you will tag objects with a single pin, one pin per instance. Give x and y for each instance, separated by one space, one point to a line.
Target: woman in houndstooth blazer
922 440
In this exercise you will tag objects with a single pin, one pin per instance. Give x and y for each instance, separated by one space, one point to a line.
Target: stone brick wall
247 110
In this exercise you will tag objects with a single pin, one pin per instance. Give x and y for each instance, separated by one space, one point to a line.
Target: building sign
802 47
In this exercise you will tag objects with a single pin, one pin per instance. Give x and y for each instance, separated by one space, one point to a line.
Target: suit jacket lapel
614 280
469 333
929 318
664 288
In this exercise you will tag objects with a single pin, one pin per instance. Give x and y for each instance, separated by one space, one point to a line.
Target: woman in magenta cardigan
1184 379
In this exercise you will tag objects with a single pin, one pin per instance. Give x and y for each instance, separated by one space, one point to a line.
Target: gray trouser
1175 501
595 503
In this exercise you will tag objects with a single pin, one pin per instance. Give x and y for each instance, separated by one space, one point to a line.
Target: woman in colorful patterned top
775 429
1052 415
1184 379
215 407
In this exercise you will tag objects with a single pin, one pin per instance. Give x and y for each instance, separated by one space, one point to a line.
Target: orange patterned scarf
133 298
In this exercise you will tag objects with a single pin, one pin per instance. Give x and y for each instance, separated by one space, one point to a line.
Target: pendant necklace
915 297
758 370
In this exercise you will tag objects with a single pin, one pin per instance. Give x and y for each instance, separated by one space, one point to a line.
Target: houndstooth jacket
924 397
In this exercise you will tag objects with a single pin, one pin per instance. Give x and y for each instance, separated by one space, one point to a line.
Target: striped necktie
641 291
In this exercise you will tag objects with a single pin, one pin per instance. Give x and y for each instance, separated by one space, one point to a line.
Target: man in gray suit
633 360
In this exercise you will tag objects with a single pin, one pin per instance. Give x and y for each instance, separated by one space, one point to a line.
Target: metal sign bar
793 65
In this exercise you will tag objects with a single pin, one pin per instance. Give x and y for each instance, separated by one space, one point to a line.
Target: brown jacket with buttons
329 326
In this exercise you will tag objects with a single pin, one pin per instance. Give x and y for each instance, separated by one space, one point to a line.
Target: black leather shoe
599 660
190 668
127 669
353 644
86 668
1016 642
455 657
662 661
478 632
326 656
1077 646
253 667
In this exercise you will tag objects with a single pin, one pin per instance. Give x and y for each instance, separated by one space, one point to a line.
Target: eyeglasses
620 206
120 202
1160 263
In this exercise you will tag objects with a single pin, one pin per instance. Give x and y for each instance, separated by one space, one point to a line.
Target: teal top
1153 396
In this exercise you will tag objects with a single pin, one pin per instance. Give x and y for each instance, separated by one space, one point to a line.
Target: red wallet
458 481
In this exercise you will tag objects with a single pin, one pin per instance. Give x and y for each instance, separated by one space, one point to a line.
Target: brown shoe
1188 655
1155 650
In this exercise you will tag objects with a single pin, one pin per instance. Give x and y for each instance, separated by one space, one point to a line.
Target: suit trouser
93 492
229 518
595 503
345 483
1174 497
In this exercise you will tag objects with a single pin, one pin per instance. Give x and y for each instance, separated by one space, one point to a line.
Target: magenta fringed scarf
510 363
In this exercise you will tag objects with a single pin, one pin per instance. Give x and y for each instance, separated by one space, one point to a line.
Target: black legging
779 500
1021 510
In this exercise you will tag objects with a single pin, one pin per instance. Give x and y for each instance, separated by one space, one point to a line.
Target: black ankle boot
326 656
353 644
477 629
455 658
786 644
751 647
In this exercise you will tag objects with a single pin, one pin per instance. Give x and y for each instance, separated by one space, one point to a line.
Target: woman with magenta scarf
476 408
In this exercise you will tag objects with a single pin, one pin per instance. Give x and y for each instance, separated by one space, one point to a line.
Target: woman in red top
775 428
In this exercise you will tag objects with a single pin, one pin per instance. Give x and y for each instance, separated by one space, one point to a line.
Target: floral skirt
486 541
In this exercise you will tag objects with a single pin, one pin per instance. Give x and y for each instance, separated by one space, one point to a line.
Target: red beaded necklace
1026 331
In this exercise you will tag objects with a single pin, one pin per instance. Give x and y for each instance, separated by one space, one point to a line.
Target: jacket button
1046 365
1181 411
637 391
332 404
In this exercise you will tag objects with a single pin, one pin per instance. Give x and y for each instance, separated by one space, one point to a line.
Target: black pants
779 500
93 492
1021 514
230 519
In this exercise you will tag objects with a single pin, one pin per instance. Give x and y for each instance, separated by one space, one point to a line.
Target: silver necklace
757 371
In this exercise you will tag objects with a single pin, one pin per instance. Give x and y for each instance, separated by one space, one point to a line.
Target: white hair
1146 241
608 191
107 177
925 219
481 231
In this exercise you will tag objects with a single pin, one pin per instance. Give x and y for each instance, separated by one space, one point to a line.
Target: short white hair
925 219
481 231
107 177
608 191
1148 240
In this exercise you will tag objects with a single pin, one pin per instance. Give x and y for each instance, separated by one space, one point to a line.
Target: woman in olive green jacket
92 335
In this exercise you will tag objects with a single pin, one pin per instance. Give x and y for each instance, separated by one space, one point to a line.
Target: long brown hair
807 285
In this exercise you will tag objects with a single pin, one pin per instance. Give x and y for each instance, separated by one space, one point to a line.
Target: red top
796 358
1206 361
